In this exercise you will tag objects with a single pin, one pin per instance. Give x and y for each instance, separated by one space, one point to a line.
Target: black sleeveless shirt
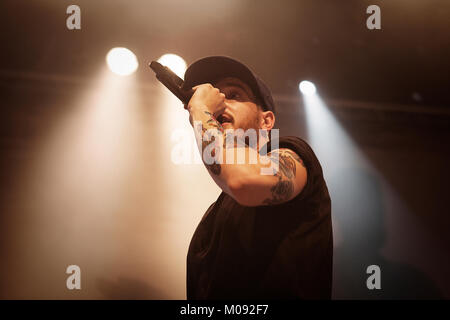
282 251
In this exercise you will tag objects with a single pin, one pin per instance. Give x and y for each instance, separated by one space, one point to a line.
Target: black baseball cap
214 68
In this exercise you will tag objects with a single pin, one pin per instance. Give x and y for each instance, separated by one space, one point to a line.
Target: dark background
388 89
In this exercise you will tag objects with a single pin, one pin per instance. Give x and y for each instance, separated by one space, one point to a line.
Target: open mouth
224 119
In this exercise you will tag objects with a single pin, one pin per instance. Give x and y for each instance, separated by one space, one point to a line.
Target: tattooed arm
204 122
291 176
244 181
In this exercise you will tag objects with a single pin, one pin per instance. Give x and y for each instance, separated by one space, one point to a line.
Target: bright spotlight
174 62
121 61
307 88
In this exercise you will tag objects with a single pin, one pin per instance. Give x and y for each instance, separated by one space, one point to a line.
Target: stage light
174 62
307 88
122 61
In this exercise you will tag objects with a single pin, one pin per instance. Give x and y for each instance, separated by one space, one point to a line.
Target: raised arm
244 181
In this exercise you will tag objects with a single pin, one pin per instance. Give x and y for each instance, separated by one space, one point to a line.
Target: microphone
171 81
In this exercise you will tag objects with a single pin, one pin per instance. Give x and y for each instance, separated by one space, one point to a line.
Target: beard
249 123
246 124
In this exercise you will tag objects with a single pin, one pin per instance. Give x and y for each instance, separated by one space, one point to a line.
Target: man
266 236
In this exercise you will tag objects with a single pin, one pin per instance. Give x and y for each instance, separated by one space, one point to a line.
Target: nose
221 109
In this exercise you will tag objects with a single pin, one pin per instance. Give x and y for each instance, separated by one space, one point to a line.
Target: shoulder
289 168
302 149
286 157
292 146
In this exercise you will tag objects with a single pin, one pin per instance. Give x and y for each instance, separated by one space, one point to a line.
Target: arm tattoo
284 188
211 123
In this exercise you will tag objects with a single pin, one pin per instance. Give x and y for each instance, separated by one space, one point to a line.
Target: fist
206 96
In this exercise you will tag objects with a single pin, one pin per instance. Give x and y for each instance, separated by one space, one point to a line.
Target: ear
267 120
